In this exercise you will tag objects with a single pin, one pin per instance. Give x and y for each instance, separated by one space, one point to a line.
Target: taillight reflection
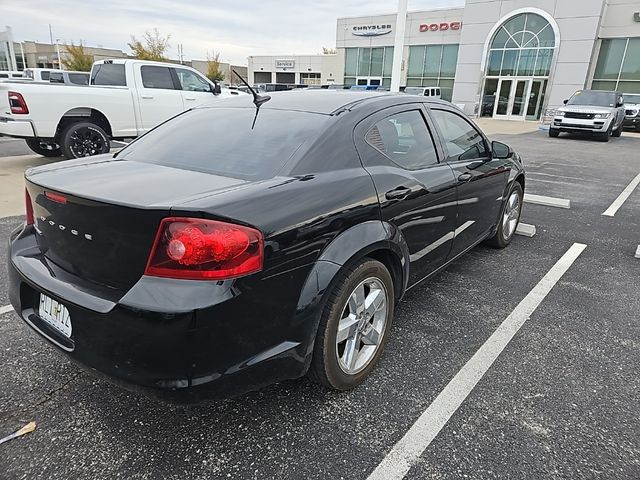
28 206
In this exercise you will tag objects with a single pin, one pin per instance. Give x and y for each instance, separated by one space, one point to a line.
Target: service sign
441 27
371 30
285 63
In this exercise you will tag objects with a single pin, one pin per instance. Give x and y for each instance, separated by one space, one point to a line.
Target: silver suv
597 112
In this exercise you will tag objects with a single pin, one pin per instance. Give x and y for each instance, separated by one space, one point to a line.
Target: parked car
126 98
231 248
599 113
632 110
38 74
424 91
10 75
69 77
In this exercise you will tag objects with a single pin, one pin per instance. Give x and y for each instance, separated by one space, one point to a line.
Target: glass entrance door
512 99
503 98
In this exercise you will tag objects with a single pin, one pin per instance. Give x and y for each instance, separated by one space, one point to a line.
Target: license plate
55 314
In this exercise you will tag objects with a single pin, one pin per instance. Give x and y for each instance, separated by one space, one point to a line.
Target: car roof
323 101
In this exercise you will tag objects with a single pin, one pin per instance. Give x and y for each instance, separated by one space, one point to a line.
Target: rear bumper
11 127
236 343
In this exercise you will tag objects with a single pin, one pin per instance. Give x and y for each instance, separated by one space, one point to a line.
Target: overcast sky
260 27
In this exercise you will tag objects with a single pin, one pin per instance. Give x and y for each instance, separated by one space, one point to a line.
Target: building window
310 78
367 66
618 66
433 66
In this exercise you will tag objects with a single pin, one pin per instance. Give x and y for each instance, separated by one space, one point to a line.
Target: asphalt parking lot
560 401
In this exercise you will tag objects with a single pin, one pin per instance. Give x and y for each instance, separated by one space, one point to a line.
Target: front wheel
43 147
84 139
354 326
554 132
617 132
509 218
604 137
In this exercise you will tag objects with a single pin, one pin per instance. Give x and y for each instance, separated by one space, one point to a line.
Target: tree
152 47
76 59
328 51
213 68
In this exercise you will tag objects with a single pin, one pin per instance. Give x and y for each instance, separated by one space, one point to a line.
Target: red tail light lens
192 248
56 197
28 208
17 103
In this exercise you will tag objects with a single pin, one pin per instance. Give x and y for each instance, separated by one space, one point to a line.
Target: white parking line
617 203
5 309
638 252
526 230
547 201
407 451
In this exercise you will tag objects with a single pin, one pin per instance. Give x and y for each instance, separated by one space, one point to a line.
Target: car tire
554 132
604 137
617 132
343 363
84 139
37 146
509 218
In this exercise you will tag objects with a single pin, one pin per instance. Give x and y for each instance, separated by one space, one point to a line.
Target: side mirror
216 89
501 150
565 101
620 102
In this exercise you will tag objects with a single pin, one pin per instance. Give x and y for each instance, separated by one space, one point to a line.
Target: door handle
397 193
189 98
464 177
147 97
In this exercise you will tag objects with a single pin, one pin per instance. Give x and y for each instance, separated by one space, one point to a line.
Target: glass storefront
433 66
518 67
368 66
618 66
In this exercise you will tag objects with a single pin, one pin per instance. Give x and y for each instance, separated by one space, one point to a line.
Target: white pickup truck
125 99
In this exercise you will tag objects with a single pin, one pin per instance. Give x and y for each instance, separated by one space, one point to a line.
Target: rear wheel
46 148
354 326
84 139
509 218
554 132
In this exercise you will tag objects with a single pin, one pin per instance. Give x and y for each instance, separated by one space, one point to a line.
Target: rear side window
4 75
56 78
109 74
405 139
79 78
45 76
462 140
221 141
157 77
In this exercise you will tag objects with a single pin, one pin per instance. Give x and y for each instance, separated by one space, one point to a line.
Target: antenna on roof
258 100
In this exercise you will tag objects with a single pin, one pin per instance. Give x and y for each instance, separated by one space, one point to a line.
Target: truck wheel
84 139
44 148
604 137
554 132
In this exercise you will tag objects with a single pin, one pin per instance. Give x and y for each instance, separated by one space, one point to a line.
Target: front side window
405 139
462 140
157 77
192 82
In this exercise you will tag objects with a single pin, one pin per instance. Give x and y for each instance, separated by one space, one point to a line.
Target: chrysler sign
434 27
371 30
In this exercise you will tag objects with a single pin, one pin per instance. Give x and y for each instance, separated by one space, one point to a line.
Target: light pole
58 50
398 45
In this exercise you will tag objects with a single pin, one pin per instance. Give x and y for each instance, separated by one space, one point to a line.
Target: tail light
17 103
28 208
196 249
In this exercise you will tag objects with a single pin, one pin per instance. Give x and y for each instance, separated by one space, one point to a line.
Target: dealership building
511 59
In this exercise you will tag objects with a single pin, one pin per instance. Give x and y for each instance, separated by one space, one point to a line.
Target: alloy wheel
362 326
511 216
86 142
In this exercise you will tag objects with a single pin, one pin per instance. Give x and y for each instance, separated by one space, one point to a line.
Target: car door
480 179
195 89
415 191
158 94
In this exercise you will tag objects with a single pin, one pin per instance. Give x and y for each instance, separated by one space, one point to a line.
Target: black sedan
232 247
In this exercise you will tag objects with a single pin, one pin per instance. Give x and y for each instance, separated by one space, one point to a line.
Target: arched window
523 47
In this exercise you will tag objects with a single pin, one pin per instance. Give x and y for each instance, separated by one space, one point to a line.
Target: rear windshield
108 74
593 98
221 141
